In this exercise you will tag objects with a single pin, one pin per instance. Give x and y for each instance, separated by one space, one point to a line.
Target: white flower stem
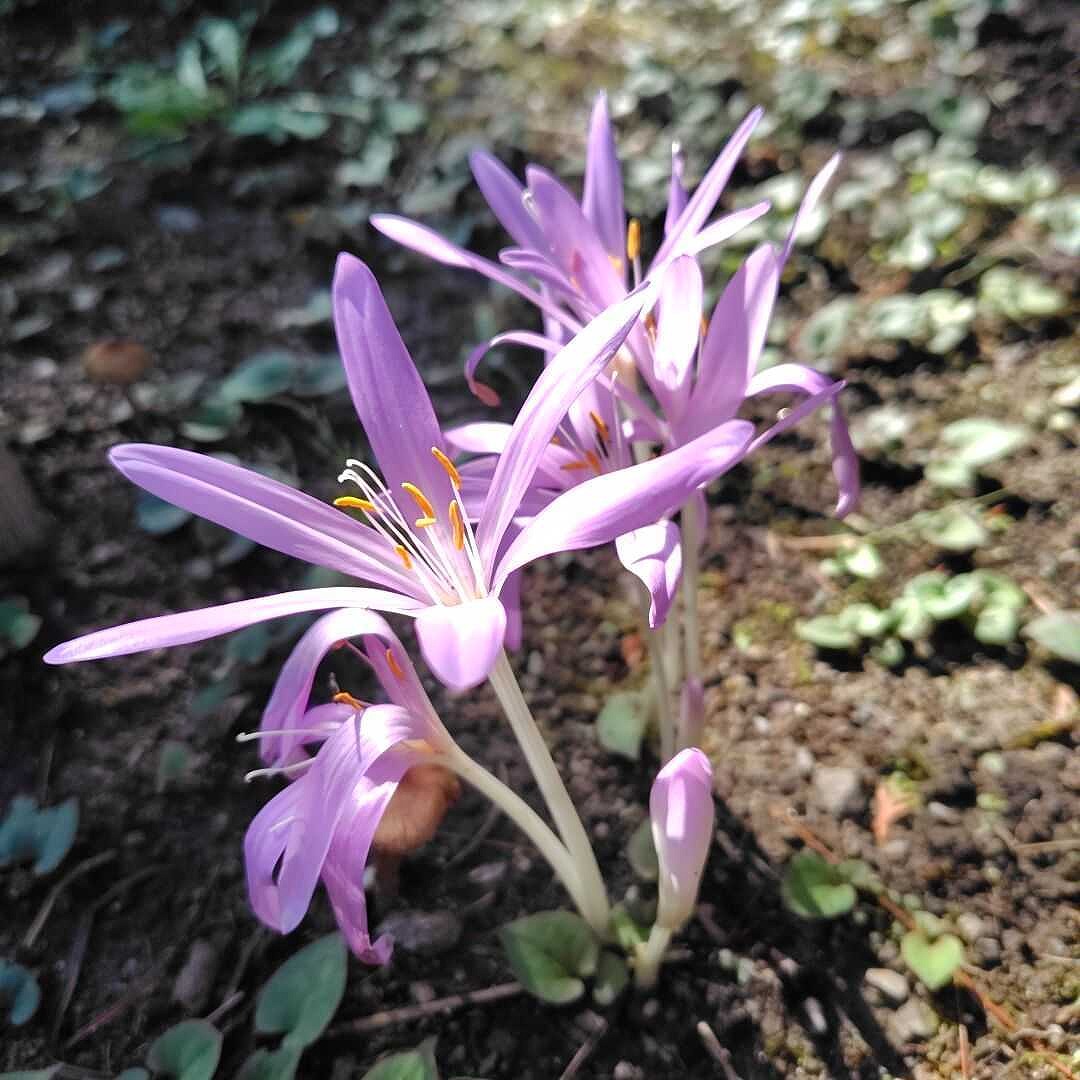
595 908
691 529
649 957
526 819
664 712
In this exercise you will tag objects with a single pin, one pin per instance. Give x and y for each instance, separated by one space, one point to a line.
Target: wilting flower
682 813
435 567
375 783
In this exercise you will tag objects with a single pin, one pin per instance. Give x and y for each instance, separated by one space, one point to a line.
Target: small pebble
838 790
890 984
487 875
914 1021
970 926
424 932
195 979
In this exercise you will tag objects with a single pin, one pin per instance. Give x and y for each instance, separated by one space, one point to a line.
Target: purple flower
417 542
375 781
682 813
583 258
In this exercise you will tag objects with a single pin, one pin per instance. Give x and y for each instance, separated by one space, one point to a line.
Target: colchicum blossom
377 782
583 258
416 540
682 814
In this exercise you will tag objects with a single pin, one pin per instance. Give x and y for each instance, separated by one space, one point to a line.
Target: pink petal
653 553
505 195
602 200
461 643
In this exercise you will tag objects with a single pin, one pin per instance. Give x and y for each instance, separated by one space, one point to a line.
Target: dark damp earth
207 249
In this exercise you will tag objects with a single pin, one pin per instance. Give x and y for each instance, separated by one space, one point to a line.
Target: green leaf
622 721
418 1064
828 632
303 994
276 121
19 992
628 933
17 624
957 595
1058 633
996 625
226 45
862 562
278 1065
56 828
934 962
213 421
889 653
259 378
34 1074
174 759
404 117
188 1051
866 620
612 975
641 852
158 517
913 623
250 645
953 530
976 441
321 376
825 334
137 1072
815 889
550 952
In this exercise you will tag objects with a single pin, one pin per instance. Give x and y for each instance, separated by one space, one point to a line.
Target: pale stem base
594 907
650 956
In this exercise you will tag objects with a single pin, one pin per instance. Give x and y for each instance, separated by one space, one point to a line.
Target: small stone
624 1070
804 761
179 219
838 790
651 1009
422 992
815 1016
196 978
890 984
914 1021
424 932
948 815
487 875
970 926
987 952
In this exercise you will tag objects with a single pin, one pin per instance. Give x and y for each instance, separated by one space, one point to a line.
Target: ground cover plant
878 695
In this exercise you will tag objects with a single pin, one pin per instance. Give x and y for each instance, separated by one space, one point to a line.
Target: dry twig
407 1013
585 1050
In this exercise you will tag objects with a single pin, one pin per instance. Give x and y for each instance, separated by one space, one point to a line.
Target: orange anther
449 466
395 667
402 553
633 239
420 499
458 525
345 698
351 502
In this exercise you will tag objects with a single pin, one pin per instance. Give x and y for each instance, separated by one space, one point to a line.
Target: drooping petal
264 844
653 553
821 390
387 391
511 337
682 814
560 383
538 264
190 626
733 343
292 691
598 510
420 238
461 643
505 195
703 200
263 510
677 194
602 200
809 204
678 328
397 676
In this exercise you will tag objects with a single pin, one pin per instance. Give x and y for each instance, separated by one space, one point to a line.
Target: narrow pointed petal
190 626
387 391
821 390
574 241
682 814
264 844
653 554
602 200
733 343
264 510
722 229
710 189
510 337
539 265
559 385
420 238
677 193
809 204
604 507
460 643
399 679
505 195
678 328
288 702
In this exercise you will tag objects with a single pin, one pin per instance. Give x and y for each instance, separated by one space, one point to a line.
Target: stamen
600 424
251 736
279 770
402 553
424 503
616 263
449 466
594 461
395 667
704 325
343 697
351 502
650 325
574 466
633 239
457 525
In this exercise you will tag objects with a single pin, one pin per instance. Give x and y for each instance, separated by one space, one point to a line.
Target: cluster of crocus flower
631 418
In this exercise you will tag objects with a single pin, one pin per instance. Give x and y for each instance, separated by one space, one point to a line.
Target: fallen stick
408 1013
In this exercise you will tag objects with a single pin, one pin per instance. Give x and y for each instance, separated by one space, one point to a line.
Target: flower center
440 552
